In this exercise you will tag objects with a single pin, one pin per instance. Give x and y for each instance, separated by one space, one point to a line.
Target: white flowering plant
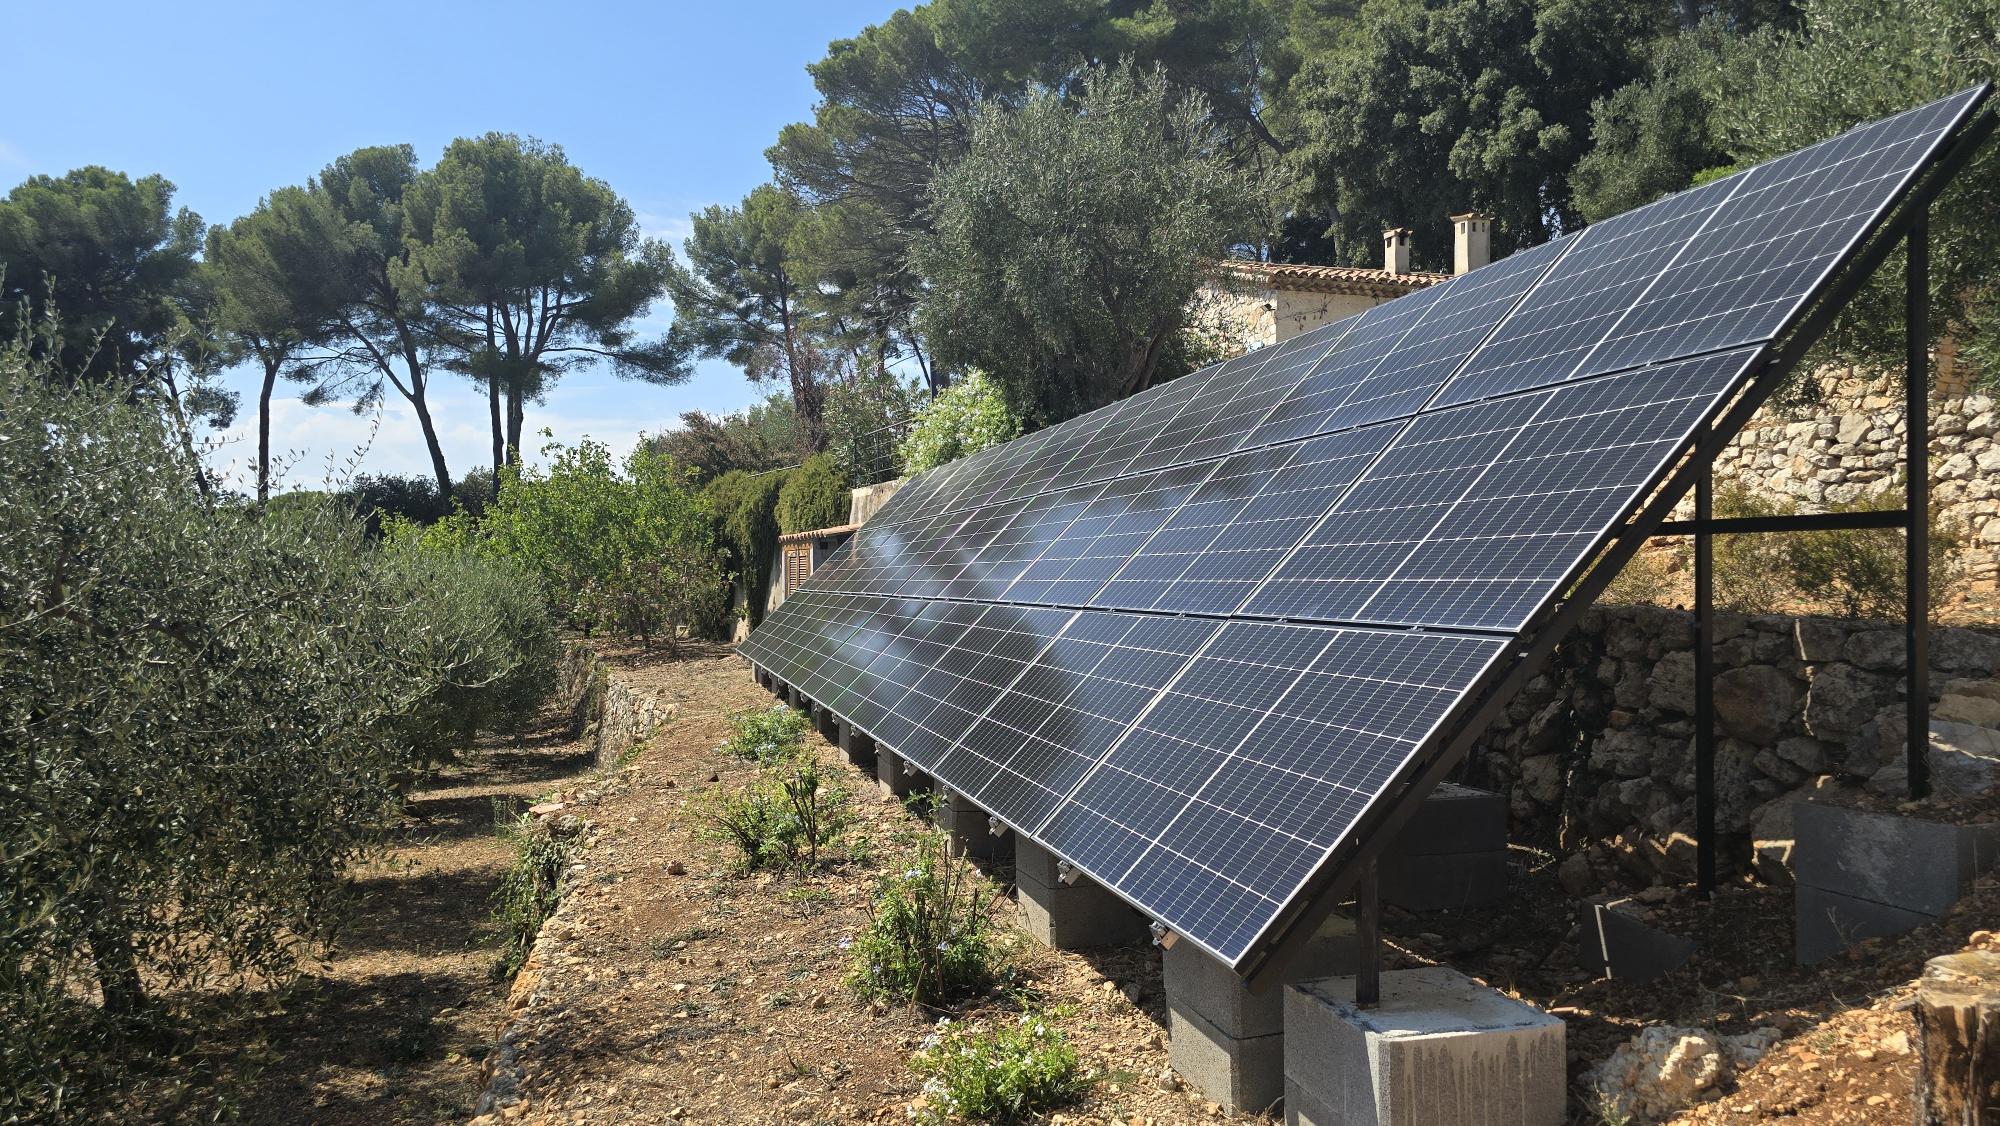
928 939
965 418
766 735
1005 1074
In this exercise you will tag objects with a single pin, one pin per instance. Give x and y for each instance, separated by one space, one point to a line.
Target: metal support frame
1704 681
1917 503
1368 937
1264 966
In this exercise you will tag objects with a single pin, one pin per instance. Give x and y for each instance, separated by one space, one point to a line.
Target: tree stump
1958 1041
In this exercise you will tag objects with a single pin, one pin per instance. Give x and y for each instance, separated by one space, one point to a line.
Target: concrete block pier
1863 874
1440 1048
968 829
1227 1042
1452 854
1073 916
857 746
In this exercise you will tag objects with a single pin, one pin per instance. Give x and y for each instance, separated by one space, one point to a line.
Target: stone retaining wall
1599 749
1853 445
604 711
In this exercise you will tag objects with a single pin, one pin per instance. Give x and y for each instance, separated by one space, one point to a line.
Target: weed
766 735
531 889
928 940
789 818
1007 1075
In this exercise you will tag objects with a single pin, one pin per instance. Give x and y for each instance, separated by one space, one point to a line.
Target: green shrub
629 550
484 625
814 496
969 416
531 890
928 939
1855 573
204 706
746 520
1009 1074
788 819
766 735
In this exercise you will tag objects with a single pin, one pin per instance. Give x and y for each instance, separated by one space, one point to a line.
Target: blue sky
672 103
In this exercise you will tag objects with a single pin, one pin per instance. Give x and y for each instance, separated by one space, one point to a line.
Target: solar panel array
1185 641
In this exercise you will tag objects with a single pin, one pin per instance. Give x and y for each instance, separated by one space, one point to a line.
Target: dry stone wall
1597 753
1854 446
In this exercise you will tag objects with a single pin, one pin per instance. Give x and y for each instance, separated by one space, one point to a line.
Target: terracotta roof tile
1331 279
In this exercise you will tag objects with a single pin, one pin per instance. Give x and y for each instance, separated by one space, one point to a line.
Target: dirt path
672 988
391 1025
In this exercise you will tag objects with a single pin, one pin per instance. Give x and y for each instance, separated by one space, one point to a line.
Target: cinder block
891 781
827 722
1076 916
1440 1048
1448 881
1615 944
1241 1073
968 829
796 698
1904 862
1455 818
857 746
1202 985
1827 922
1451 855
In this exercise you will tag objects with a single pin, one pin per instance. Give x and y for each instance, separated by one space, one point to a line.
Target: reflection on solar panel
1194 641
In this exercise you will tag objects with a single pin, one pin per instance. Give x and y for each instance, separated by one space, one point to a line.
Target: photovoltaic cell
1226 795
1189 640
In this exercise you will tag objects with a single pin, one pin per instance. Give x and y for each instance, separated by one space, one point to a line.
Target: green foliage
632 551
1656 135
533 269
483 626
758 438
1012 1073
1854 573
969 416
746 516
766 735
531 890
1068 243
928 940
1413 111
814 496
789 818
112 257
208 713
389 498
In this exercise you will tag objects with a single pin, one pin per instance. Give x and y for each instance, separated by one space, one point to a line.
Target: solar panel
1195 642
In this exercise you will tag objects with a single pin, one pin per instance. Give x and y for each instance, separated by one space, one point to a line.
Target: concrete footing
968 829
858 747
1451 855
796 698
892 782
1227 1042
1614 942
1863 875
1439 1048
1073 916
827 723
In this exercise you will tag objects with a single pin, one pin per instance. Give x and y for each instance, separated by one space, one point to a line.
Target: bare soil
390 1026
672 987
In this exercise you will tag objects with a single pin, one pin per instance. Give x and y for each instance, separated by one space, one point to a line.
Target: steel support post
1367 938
1704 683
1917 504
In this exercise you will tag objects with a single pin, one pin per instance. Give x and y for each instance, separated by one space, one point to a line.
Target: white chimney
1471 241
1396 250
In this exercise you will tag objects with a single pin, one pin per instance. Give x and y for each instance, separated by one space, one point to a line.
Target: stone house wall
1597 753
1853 446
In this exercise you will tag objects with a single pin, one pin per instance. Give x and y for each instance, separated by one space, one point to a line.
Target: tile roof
1358 280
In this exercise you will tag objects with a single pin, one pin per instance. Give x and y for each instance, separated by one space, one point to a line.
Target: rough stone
1965 650
1755 703
1975 711
1439 1049
1839 699
1879 650
1805 753
1541 778
1672 684
1665 1069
